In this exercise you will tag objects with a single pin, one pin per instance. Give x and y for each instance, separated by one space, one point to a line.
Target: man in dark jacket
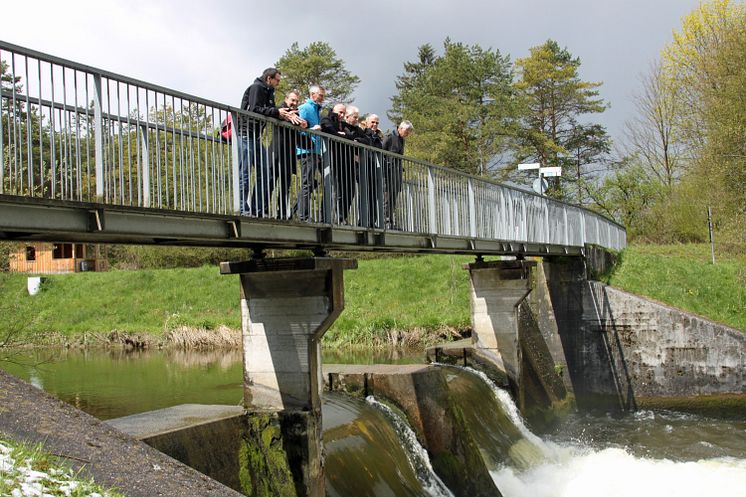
347 170
260 99
285 140
393 171
371 178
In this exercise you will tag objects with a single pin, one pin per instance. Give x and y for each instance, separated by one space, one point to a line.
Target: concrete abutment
286 307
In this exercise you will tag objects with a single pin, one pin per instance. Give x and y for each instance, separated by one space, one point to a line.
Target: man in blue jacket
260 99
310 158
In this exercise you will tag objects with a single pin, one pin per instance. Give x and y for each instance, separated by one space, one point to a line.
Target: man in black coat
260 99
285 140
393 171
371 178
347 170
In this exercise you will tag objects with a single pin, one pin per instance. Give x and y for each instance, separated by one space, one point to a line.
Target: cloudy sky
214 49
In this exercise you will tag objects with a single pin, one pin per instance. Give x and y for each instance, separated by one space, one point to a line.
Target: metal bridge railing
76 133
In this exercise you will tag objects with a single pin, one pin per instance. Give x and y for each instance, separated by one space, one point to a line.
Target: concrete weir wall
662 351
624 351
555 332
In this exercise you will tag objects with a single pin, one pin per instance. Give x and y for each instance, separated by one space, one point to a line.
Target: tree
461 103
704 69
554 99
587 145
316 64
627 195
653 135
690 61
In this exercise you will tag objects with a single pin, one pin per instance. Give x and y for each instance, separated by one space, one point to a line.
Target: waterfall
418 457
369 453
589 468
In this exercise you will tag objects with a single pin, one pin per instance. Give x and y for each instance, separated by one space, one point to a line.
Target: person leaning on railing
285 142
347 173
260 99
393 169
310 151
369 194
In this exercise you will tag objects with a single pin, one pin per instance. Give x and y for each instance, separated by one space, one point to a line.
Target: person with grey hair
393 171
371 179
346 164
310 155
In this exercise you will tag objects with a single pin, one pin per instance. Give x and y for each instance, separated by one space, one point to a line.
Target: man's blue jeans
252 155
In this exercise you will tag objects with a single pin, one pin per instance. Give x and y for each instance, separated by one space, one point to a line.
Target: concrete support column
286 307
497 288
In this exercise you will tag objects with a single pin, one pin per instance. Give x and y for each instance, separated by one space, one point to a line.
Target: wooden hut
50 258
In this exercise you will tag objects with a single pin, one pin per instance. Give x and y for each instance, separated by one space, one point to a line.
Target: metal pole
98 137
712 236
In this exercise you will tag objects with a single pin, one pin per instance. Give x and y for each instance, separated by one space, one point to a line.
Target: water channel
648 453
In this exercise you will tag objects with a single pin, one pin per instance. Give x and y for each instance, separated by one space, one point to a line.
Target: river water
648 453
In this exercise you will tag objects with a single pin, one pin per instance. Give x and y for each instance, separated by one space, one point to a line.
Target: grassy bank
405 300
683 276
388 300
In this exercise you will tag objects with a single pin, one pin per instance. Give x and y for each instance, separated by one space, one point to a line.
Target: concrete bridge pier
507 331
286 307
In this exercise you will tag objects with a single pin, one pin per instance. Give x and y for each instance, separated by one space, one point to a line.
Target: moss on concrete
723 406
264 470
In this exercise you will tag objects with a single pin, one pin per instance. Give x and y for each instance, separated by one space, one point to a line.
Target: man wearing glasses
260 99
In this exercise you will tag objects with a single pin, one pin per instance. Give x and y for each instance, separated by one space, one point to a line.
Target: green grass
31 466
428 293
146 301
683 276
425 296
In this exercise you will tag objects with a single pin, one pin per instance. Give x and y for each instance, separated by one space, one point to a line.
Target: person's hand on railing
291 115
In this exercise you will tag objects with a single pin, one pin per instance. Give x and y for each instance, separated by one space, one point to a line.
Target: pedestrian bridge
92 156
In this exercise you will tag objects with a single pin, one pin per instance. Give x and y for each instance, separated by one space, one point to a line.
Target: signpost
540 185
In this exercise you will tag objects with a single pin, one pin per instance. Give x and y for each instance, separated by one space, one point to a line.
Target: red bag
226 129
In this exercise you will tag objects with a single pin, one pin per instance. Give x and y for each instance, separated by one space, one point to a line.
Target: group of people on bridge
346 170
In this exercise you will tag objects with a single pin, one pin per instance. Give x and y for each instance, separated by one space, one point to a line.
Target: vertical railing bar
129 145
111 174
121 145
189 163
68 176
165 145
199 206
52 148
140 162
98 144
144 144
29 131
197 179
17 152
2 135
88 134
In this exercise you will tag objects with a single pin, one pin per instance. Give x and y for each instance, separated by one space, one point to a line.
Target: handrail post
145 161
472 209
234 162
98 133
564 223
326 181
432 217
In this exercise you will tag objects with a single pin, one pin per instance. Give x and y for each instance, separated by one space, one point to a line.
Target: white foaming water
616 473
417 454
574 471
